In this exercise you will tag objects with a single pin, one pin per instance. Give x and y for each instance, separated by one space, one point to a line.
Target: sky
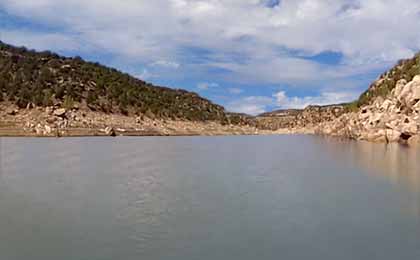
250 56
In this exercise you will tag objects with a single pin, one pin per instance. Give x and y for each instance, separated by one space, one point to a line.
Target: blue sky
251 56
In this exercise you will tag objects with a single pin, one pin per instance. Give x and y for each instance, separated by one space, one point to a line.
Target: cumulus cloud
41 40
166 64
325 98
252 105
251 41
206 85
145 75
235 91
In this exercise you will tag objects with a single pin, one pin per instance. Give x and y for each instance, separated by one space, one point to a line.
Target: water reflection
397 164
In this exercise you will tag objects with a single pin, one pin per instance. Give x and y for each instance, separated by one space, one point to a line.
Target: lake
208 198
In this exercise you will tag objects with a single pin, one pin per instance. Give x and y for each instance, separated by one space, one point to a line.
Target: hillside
405 69
388 111
45 79
299 118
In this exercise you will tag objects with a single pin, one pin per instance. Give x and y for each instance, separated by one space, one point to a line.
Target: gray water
208 198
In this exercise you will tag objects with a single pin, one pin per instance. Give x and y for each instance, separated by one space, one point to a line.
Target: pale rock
61 112
414 141
386 105
39 129
109 131
393 136
410 128
49 110
399 87
12 111
47 130
410 92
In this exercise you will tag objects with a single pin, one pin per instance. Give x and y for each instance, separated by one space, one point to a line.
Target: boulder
12 111
414 141
49 110
409 127
110 131
39 129
374 136
47 130
30 106
410 94
61 112
386 105
399 87
392 136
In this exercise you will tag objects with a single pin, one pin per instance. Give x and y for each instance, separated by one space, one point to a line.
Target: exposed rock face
295 118
395 118
109 131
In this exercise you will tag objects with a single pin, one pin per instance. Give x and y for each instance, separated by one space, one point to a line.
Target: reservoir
206 198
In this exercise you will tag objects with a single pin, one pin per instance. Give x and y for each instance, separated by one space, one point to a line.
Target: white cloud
166 64
145 75
369 33
40 41
325 98
206 85
252 105
235 91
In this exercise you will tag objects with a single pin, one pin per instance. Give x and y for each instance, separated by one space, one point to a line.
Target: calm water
208 198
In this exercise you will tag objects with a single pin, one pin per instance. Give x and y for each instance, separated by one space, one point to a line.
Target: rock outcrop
393 118
299 118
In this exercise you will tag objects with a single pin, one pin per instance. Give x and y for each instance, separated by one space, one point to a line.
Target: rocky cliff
295 119
388 111
394 117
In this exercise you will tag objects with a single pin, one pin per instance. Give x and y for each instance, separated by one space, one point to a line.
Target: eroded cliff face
393 118
299 120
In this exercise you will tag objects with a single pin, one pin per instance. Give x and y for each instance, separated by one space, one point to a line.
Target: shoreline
89 132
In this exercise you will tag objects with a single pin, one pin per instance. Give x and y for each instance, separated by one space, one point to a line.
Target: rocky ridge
299 119
392 118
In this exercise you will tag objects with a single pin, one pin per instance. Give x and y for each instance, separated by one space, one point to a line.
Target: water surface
206 198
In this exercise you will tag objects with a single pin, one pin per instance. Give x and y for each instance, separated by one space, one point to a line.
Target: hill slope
45 79
389 111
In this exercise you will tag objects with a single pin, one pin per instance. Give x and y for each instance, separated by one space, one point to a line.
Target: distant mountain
30 78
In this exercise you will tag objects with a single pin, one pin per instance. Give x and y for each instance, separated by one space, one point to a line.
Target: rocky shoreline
394 118
60 122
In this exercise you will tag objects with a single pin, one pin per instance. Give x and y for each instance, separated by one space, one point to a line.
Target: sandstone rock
61 112
51 120
410 94
39 129
392 136
386 105
410 127
48 130
109 131
49 110
12 111
30 106
416 107
414 141
139 120
399 87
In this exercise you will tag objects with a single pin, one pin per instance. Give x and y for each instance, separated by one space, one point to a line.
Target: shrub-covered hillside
45 79
405 69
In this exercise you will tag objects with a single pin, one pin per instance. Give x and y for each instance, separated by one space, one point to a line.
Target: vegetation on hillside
405 69
44 79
